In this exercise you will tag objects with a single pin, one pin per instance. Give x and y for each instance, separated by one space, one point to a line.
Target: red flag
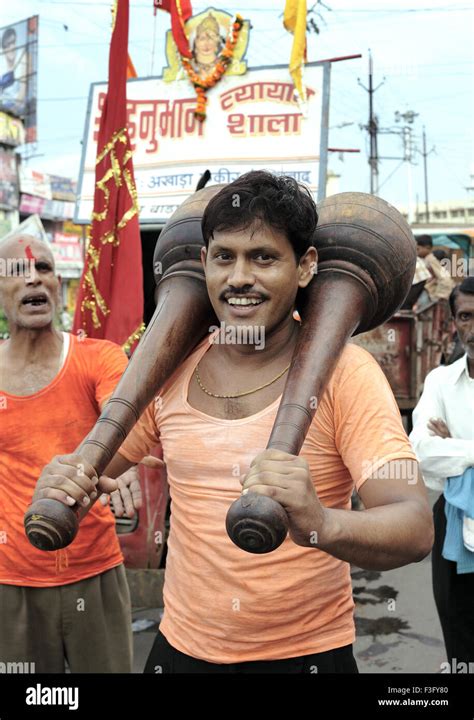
110 300
180 11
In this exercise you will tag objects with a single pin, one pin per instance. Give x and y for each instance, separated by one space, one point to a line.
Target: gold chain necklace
247 392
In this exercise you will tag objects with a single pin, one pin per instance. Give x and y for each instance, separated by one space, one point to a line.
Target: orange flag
131 72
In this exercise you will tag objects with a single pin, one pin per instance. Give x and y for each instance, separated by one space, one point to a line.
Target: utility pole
373 159
408 152
372 129
425 167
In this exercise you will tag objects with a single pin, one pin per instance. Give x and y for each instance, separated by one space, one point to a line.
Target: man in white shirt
443 439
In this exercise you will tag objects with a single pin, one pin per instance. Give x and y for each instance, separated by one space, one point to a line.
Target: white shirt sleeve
439 458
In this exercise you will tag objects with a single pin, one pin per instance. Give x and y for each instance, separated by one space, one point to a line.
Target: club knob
256 523
50 525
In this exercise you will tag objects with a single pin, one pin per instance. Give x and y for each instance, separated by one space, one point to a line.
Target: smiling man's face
252 275
29 288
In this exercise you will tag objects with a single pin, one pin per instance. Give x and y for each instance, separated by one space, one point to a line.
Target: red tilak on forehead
28 251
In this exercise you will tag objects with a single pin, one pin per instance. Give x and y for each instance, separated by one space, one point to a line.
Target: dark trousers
454 596
164 658
86 624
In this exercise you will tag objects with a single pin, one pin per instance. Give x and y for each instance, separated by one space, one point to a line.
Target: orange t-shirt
222 604
33 429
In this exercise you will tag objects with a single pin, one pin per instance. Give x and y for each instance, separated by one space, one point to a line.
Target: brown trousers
86 624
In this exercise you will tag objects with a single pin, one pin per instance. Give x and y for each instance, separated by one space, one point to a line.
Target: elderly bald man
70 606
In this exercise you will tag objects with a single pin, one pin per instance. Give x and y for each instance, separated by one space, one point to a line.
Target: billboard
253 122
50 196
35 183
62 188
18 72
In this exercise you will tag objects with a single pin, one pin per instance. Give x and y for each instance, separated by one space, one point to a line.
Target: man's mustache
246 290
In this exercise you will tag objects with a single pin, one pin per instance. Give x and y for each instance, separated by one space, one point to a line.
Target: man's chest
207 456
34 429
25 377
233 408
29 381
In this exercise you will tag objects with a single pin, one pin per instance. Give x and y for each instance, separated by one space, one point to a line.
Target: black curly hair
277 201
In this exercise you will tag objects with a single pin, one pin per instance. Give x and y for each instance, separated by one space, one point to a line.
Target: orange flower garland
202 85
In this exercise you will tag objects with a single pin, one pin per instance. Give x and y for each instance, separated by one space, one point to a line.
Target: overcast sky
423 48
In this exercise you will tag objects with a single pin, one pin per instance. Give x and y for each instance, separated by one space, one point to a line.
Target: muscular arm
396 527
